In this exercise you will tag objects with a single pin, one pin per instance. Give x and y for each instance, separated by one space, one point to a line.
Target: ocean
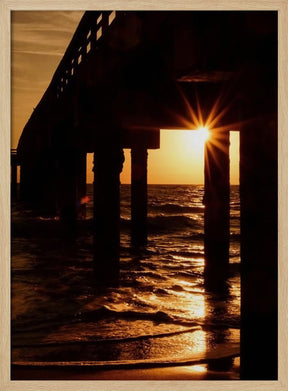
161 314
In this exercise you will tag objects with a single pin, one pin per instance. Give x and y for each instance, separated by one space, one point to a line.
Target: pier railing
86 40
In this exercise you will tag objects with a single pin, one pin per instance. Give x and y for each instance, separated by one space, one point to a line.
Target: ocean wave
90 340
105 311
172 222
187 254
158 317
175 208
163 222
189 274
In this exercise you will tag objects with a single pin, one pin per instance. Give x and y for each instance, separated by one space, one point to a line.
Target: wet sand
174 373
185 372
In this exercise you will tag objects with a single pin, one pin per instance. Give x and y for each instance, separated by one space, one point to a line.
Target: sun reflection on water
198 306
193 301
197 342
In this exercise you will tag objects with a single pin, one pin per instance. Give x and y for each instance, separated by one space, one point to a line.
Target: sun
191 142
196 139
203 134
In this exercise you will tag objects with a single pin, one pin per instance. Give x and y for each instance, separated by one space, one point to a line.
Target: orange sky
180 160
39 40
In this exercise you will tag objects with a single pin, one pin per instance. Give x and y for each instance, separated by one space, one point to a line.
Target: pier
123 78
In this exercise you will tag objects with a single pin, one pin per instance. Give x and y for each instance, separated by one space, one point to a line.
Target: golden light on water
193 301
198 342
198 306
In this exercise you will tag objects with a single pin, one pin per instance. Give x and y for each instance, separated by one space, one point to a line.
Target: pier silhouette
125 76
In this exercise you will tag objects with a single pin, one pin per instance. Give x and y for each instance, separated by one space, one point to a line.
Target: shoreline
181 372
225 367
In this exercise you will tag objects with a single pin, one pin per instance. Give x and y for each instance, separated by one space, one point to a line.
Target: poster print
172 281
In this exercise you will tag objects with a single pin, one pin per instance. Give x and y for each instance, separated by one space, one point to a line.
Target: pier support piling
67 184
81 184
216 216
29 188
107 168
139 195
258 198
48 184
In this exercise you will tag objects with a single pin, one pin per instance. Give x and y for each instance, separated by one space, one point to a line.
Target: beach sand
185 372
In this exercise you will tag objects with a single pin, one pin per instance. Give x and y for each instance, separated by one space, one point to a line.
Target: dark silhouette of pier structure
125 76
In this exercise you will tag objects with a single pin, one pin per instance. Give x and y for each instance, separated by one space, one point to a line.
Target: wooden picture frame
5 120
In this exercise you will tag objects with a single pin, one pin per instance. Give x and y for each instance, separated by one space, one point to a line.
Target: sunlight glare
196 139
203 133
199 368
